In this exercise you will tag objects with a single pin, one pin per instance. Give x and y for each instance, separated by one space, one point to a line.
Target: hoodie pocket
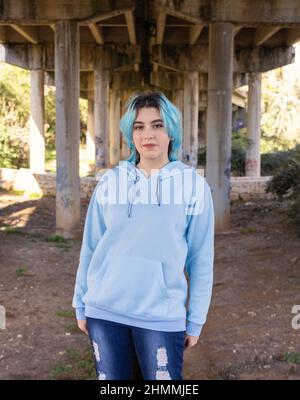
133 285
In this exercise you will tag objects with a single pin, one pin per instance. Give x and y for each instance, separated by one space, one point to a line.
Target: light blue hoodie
138 243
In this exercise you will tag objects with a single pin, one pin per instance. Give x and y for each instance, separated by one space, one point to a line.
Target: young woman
149 225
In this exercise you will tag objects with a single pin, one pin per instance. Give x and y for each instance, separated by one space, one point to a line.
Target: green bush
271 162
286 185
15 114
13 148
238 152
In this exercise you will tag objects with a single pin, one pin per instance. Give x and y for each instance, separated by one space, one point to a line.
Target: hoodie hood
168 171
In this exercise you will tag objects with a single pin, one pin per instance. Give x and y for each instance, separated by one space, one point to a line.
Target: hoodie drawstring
158 189
158 192
130 202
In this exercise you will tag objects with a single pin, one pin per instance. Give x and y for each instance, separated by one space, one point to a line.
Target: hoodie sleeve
94 229
199 261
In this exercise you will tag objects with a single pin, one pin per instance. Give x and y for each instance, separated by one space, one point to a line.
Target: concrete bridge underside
199 52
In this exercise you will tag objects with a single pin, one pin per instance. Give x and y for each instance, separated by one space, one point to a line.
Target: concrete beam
292 36
160 26
129 17
195 32
110 14
249 13
119 81
131 26
263 59
236 29
239 79
96 32
130 80
3 34
238 100
53 10
263 34
167 80
174 80
243 12
29 33
111 56
126 80
254 59
160 31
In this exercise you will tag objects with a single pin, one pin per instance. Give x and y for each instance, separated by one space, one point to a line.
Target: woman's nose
148 132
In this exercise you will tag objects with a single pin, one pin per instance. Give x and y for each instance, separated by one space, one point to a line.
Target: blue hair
170 114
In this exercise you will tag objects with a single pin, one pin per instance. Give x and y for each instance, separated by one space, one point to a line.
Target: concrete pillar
177 97
125 153
90 134
190 118
114 131
202 130
253 125
101 113
219 114
37 133
67 128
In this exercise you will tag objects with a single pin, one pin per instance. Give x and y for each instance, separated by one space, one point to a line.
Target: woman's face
149 128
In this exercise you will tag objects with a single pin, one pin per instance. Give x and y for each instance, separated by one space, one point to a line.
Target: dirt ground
248 334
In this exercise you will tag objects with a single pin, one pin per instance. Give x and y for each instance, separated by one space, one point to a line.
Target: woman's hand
190 341
82 325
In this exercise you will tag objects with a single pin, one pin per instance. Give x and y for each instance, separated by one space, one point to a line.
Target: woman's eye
156 126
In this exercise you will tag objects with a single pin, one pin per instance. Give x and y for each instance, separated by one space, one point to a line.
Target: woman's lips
149 146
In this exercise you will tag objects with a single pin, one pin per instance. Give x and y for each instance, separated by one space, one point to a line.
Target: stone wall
246 188
249 188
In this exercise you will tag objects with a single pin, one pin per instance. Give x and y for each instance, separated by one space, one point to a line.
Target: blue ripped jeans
116 346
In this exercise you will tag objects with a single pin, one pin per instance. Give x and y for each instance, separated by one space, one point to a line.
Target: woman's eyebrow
155 120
